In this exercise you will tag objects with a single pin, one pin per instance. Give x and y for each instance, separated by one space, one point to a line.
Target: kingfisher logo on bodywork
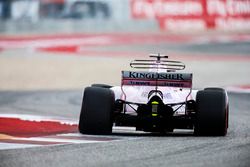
159 76
183 80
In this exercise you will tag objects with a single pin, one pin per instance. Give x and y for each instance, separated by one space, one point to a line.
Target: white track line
7 146
58 140
16 142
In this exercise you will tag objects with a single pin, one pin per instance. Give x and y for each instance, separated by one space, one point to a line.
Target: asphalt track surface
133 148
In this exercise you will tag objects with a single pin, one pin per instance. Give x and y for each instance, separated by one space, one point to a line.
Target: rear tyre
211 112
214 89
101 86
97 110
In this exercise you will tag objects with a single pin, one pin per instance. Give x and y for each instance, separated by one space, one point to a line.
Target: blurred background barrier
195 14
48 16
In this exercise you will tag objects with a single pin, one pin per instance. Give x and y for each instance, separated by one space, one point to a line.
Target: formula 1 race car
158 100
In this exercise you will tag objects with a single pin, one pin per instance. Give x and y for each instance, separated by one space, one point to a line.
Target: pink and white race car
157 100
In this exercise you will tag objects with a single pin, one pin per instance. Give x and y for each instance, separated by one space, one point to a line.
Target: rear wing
165 79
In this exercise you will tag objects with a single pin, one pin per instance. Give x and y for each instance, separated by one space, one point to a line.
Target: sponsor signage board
194 14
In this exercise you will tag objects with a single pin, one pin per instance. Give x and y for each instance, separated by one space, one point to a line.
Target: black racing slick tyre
101 86
97 110
211 113
214 89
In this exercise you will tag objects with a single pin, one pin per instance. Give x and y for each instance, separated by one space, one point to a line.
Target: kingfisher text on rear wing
183 80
